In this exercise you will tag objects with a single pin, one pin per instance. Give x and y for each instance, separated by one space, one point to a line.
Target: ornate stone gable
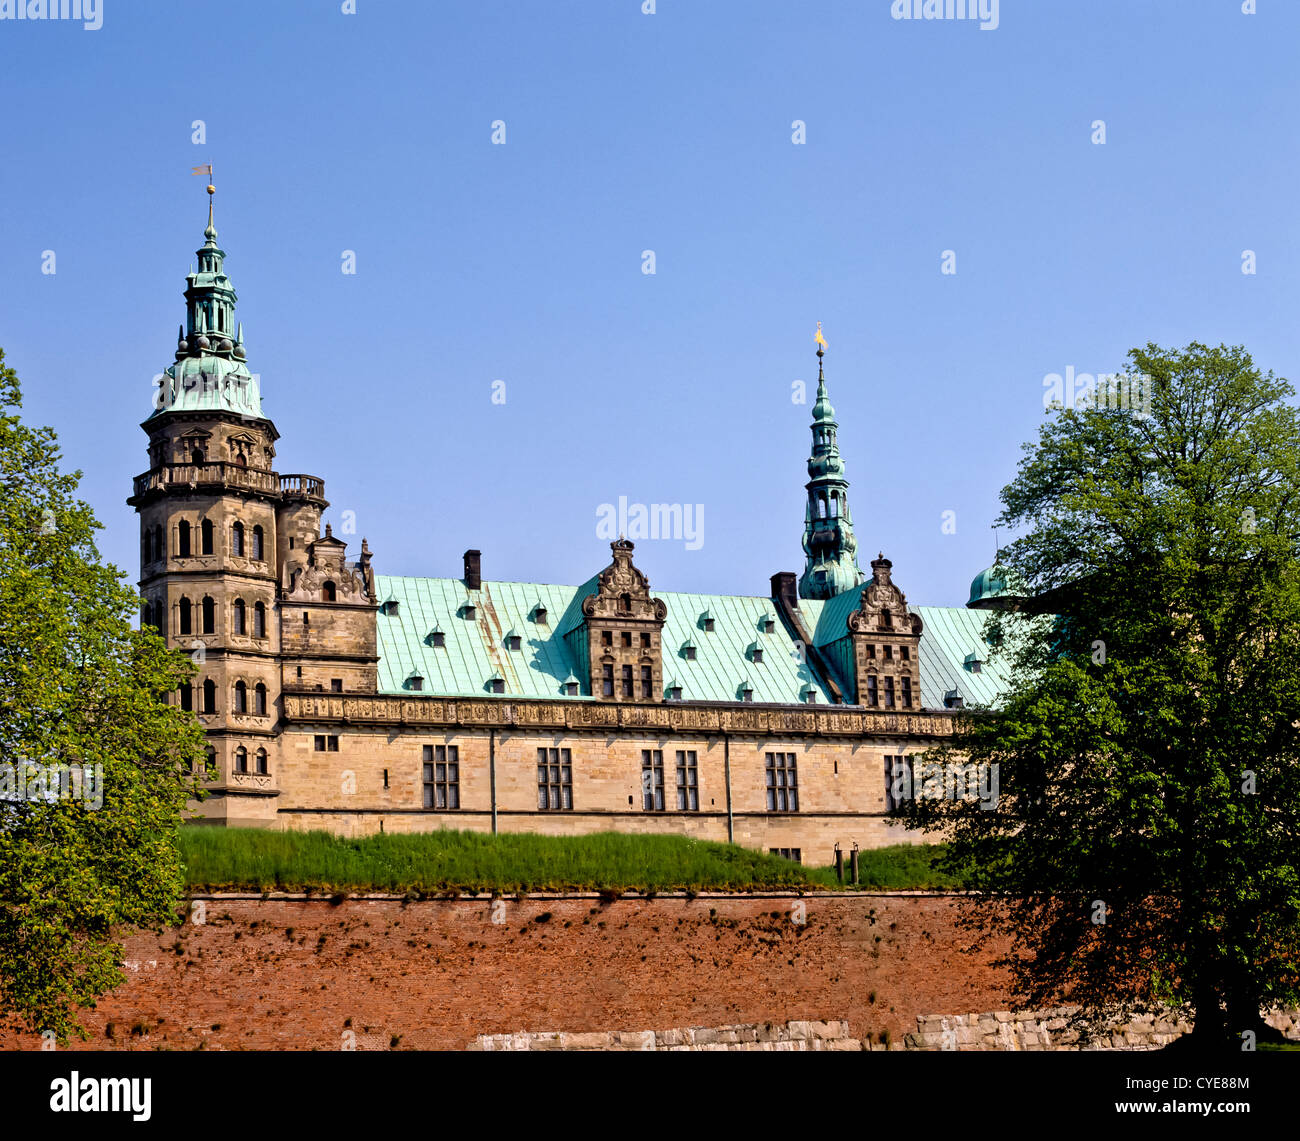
304 580
886 644
623 591
622 632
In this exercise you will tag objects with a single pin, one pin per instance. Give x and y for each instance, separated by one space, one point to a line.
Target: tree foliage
78 687
1145 842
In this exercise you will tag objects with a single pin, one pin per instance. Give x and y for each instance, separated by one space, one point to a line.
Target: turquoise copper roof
476 650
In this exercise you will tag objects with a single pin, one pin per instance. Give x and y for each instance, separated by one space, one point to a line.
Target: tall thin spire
828 541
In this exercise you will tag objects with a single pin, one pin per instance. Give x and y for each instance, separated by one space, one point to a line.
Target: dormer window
539 615
496 685
688 651
974 660
571 688
758 653
769 625
747 693
391 607
674 692
810 696
437 639
512 641
706 621
470 611
952 700
415 682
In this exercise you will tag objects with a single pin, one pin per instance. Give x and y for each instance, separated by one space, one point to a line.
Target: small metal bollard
853 864
839 864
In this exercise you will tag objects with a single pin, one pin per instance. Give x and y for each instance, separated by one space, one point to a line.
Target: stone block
636 1039
670 1038
584 1041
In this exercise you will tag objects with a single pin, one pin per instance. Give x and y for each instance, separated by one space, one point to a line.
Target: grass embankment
439 863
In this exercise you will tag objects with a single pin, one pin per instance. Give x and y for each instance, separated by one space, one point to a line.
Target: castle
334 697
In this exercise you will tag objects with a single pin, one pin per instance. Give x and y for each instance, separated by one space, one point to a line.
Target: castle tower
828 540
215 524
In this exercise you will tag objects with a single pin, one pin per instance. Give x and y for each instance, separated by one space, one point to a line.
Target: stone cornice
564 716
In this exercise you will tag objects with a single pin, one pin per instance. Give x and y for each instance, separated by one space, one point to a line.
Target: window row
627 681
250 542
239 698
243 618
904 653
652 781
875 692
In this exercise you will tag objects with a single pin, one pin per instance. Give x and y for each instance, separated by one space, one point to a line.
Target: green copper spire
209 373
828 540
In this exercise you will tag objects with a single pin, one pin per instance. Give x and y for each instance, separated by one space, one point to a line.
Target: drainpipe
726 769
492 774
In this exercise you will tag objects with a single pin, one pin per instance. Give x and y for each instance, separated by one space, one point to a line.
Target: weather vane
821 341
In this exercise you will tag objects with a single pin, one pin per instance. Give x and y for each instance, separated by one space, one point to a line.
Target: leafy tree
78 687
1145 840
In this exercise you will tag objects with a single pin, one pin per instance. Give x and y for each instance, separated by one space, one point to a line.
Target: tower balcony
220 477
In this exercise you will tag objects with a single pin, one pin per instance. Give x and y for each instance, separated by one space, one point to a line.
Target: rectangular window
652 780
607 680
647 683
782 783
645 641
889 693
336 685
627 681
871 652
627 639
906 652
554 780
319 743
795 854
606 638
871 691
898 781
688 782
441 776
907 692
331 744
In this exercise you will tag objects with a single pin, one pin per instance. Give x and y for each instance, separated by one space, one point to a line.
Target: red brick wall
297 975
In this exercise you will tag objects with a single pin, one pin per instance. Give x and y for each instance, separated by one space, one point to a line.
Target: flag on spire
819 338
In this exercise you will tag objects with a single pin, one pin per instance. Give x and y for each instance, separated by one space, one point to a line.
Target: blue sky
522 262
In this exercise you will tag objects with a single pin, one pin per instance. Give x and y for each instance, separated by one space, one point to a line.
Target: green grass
434 863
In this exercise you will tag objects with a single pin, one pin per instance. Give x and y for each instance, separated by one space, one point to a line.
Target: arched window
160 616
185 616
209 696
241 760
327 592
146 546
261 761
259 620
187 698
835 505
241 697
210 761
183 539
238 613
209 616
257 543
207 536
821 509
237 539
259 699
197 456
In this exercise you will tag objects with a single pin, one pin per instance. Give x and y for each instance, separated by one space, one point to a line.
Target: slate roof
475 650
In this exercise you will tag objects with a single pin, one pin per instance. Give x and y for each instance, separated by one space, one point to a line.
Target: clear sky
626 132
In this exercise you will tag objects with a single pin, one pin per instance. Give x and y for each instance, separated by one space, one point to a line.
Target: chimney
473 571
785 590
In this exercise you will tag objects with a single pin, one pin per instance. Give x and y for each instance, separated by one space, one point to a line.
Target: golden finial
821 341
